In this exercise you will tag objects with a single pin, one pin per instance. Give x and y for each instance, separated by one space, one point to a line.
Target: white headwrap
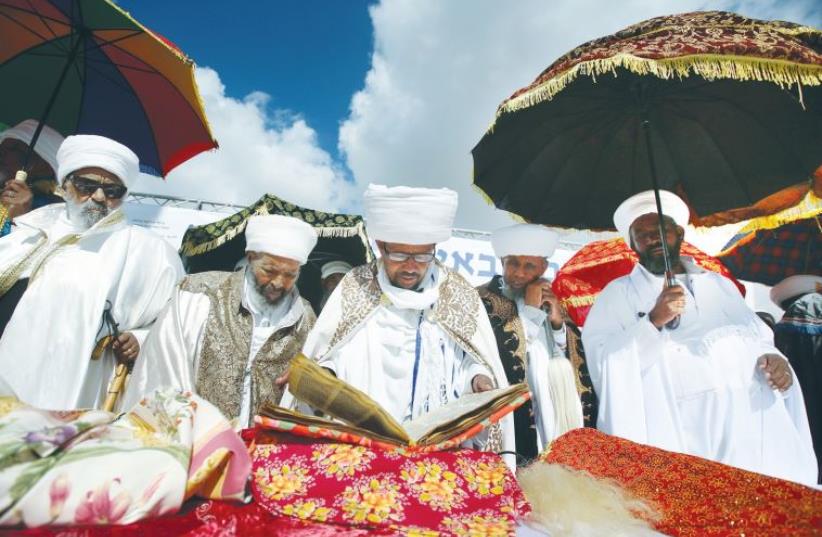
334 267
644 203
524 239
91 151
409 215
47 144
796 285
279 235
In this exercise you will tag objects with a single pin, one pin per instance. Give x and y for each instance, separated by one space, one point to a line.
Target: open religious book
361 418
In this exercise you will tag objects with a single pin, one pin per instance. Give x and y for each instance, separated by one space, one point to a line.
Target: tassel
564 397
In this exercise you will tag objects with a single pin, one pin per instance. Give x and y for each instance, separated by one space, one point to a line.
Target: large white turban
47 144
644 203
283 236
409 215
91 151
524 239
796 285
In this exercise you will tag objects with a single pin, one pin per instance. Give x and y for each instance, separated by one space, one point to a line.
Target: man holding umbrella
715 386
77 280
17 197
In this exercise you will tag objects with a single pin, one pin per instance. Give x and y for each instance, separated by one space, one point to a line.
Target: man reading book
406 330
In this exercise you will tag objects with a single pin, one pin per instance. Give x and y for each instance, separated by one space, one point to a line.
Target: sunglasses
86 186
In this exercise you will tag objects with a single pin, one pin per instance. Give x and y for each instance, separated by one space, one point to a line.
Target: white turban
644 203
47 144
334 267
524 239
796 285
91 151
409 215
279 235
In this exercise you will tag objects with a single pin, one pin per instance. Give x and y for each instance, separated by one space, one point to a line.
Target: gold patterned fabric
455 310
711 44
227 341
511 344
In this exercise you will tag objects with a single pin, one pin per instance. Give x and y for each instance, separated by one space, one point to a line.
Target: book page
317 387
459 415
270 410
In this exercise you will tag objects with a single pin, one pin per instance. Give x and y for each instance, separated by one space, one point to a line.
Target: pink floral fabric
461 492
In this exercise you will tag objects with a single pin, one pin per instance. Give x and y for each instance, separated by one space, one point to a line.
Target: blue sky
310 56
389 91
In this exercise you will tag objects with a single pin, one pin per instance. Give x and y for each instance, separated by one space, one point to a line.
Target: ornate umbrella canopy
220 245
595 265
86 66
770 255
731 107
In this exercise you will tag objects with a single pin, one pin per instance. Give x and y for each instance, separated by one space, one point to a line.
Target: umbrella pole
670 280
22 174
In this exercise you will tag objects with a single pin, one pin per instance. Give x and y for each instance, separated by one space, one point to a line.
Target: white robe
550 376
695 389
46 347
171 356
379 356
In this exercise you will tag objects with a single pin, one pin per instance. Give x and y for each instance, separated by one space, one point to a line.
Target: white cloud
261 151
439 70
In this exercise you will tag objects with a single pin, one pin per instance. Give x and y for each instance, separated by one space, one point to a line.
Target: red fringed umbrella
598 263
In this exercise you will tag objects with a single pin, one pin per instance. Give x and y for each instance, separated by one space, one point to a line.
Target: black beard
655 264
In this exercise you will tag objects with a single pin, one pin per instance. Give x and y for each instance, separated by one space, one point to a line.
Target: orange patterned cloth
461 492
598 263
696 497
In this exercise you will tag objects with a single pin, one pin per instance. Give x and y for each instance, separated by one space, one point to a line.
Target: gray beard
511 293
85 215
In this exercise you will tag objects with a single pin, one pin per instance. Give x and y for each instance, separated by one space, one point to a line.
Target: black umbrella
720 109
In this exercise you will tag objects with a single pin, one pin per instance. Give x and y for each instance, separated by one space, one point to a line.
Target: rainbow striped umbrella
86 66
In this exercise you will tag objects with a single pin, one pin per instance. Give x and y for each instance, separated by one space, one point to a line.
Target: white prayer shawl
695 389
171 356
379 355
46 348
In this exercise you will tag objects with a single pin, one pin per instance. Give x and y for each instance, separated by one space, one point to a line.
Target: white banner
170 223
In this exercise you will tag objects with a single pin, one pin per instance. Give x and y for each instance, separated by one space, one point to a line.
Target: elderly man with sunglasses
407 331
75 277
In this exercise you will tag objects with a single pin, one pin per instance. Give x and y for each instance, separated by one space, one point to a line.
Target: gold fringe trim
708 66
810 206
579 301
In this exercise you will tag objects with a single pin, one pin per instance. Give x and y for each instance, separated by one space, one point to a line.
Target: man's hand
539 294
126 348
282 380
776 370
481 383
669 304
16 196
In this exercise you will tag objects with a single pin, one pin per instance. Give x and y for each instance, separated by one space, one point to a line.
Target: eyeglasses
402 257
87 186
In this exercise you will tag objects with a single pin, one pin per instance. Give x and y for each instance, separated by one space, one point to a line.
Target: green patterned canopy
220 245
